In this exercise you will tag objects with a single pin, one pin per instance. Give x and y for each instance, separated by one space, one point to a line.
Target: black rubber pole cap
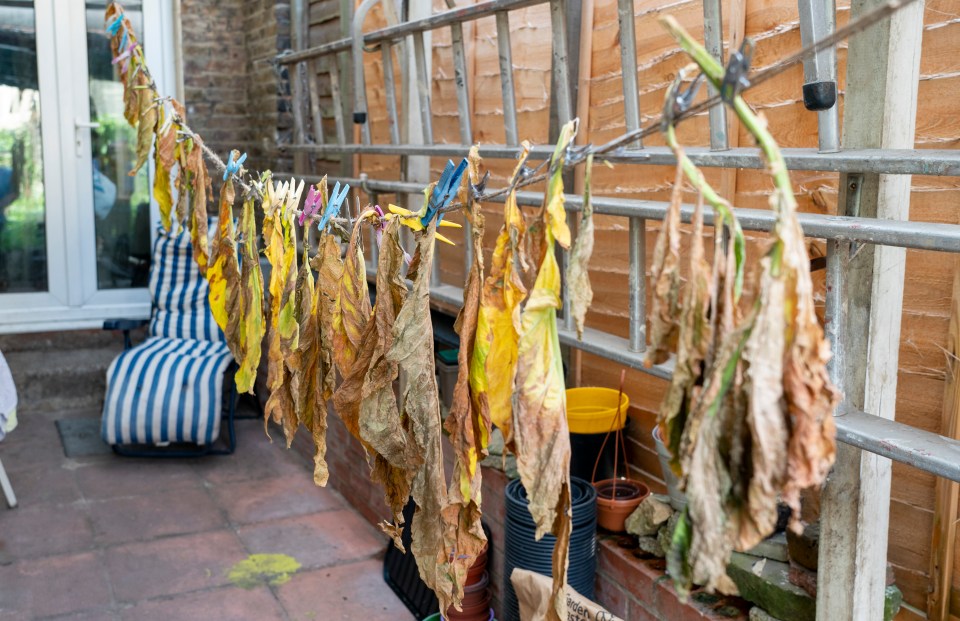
359 118
819 95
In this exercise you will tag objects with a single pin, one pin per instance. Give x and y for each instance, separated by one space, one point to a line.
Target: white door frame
73 300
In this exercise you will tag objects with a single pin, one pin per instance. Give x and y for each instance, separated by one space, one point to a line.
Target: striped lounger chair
169 389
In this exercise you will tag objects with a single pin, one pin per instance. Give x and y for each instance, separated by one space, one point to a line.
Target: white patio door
75 228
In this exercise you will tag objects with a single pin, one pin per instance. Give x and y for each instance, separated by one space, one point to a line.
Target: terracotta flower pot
479 610
612 511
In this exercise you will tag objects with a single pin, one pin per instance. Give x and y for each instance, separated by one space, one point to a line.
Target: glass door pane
121 203
23 239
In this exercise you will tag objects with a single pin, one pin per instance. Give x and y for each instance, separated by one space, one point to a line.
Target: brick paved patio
108 538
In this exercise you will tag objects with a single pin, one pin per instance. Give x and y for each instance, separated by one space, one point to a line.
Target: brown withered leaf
379 421
412 350
665 277
578 269
147 119
707 478
196 185
302 361
352 307
764 354
810 396
370 378
467 425
469 429
329 267
694 341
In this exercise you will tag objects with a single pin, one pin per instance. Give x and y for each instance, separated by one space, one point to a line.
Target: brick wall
235 97
630 583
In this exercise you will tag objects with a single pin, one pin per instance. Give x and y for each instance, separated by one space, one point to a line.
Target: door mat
80 437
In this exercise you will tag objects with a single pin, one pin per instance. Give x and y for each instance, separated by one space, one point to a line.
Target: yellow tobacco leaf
352 308
252 327
223 274
539 403
494 359
147 119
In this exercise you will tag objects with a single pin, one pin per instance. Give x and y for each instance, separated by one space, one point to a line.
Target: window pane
121 203
23 235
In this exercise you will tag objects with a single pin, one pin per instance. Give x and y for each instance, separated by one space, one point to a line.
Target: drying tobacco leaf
695 339
223 274
539 402
281 252
352 308
810 396
382 428
765 415
469 429
163 162
148 118
665 276
578 270
329 269
467 424
365 400
412 350
252 327
494 361
198 189
301 361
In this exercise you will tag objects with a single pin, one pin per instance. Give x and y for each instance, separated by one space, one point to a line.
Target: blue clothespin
333 205
114 26
125 40
446 188
233 167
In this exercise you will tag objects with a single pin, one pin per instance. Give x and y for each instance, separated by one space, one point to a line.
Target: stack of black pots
523 551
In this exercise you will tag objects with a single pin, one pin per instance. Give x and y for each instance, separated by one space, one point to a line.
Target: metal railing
924 450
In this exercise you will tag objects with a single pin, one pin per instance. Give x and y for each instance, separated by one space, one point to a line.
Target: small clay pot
612 511
475 612
478 586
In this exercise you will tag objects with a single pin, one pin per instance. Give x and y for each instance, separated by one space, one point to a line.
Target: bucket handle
620 442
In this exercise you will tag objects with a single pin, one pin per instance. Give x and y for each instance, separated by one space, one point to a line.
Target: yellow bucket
593 410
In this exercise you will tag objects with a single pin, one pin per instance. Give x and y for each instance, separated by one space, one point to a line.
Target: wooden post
883 65
943 541
299 23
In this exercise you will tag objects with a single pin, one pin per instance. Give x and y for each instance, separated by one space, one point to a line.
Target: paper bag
533 594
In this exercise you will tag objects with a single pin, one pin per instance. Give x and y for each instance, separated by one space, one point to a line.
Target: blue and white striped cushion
165 390
181 309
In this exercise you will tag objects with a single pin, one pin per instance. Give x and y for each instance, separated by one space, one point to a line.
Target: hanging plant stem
721 205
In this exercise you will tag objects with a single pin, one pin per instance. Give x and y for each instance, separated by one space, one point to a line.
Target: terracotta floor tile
164 512
274 498
225 603
54 585
114 476
352 591
173 565
34 443
45 529
316 540
38 485
256 457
